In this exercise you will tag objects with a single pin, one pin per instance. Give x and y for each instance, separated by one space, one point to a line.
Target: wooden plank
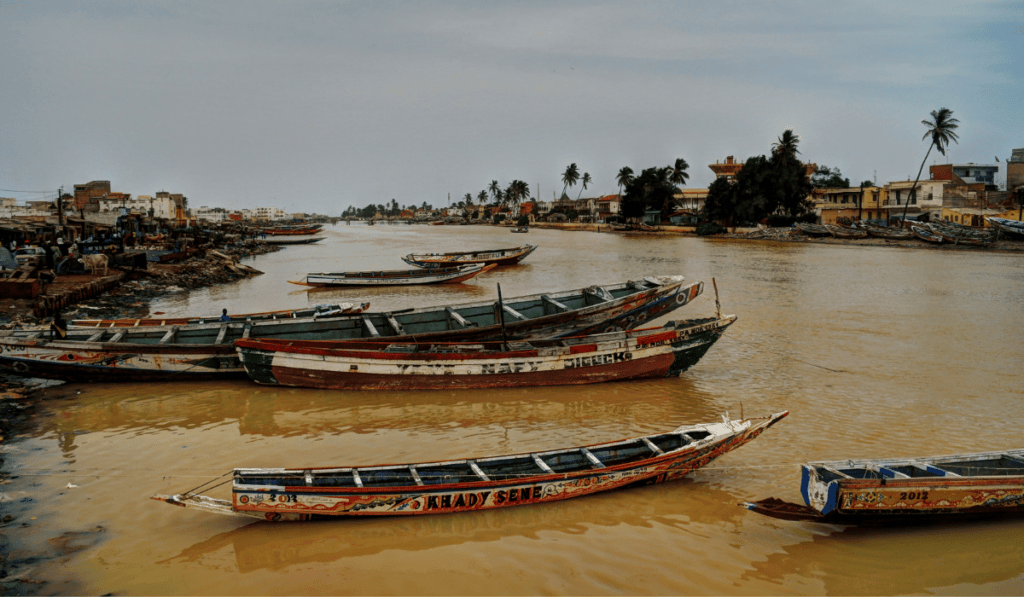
247 330
118 336
476 469
514 313
95 337
593 459
397 327
169 336
369 327
221 334
415 475
454 316
543 465
599 293
309 478
357 478
654 448
557 305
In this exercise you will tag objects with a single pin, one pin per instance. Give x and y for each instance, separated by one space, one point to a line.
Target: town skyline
319 107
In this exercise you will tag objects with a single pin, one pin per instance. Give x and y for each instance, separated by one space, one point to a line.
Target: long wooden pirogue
908 490
495 256
471 484
415 277
616 356
138 350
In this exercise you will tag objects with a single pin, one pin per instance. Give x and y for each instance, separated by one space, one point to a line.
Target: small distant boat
887 232
293 241
812 229
407 365
926 235
471 484
1013 228
292 230
496 256
844 232
405 277
906 490
521 229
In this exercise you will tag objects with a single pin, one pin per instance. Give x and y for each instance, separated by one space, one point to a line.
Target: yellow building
971 216
855 203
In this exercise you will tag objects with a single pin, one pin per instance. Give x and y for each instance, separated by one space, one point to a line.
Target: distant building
980 176
867 203
1015 170
89 194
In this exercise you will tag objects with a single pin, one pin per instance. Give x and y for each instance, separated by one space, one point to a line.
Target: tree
720 205
867 183
482 197
829 178
677 172
624 177
570 176
941 129
495 189
651 190
468 199
586 180
787 143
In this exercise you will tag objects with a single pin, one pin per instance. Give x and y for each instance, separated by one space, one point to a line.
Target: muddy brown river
875 351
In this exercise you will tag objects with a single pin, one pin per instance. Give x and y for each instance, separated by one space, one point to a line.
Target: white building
210 214
926 198
270 214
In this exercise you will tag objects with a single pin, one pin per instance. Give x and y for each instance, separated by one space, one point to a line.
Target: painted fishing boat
406 277
521 229
495 256
844 232
151 351
906 490
471 484
1012 228
617 356
319 311
292 230
812 229
926 235
952 237
292 241
887 232
961 230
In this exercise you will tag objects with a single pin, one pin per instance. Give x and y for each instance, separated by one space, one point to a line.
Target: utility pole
60 207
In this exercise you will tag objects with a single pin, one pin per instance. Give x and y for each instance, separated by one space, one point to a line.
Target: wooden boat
471 484
520 229
954 238
319 311
292 230
887 232
906 490
292 241
150 352
434 275
812 229
844 232
1013 228
496 256
926 235
652 352
961 230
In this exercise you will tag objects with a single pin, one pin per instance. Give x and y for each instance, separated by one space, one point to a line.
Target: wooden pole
501 318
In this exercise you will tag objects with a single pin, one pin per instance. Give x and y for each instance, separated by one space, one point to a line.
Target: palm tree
482 197
586 180
468 198
495 189
940 129
571 175
677 173
786 145
624 178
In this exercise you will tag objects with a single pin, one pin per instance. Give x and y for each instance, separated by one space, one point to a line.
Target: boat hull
494 256
601 358
447 275
300 494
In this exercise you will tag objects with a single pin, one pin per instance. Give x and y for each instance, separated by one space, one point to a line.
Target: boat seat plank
653 447
221 334
415 475
118 336
397 327
514 313
543 465
95 337
557 305
247 330
593 459
370 327
33 335
357 478
599 293
169 336
454 316
309 478
888 472
476 469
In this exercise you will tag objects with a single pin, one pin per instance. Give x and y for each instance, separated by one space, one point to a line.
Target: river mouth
875 351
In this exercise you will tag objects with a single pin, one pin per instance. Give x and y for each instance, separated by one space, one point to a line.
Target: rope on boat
792 358
192 491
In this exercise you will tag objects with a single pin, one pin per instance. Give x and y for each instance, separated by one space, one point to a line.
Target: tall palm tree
624 178
677 173
941 129
586 180
571 175
482 197
786 145
495 189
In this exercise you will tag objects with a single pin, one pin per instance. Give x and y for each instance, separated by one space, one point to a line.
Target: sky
315 106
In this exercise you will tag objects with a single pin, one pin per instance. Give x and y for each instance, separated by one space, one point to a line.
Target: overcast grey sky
315 106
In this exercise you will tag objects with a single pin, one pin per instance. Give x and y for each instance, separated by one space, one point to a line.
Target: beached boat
617 356
926 235
844 232
496 256
520 229
812 229
136 350
292 230
887 232
906 490
1012 228
292 241
405 277
953 237
471 484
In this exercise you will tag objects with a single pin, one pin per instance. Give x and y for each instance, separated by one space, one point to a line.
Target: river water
875 351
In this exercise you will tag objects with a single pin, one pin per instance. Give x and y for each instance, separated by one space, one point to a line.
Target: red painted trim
582 348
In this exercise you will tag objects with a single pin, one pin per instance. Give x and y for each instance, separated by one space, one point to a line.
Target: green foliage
710 228
868 183
651 190
829 178
523 221
498 218
780 221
